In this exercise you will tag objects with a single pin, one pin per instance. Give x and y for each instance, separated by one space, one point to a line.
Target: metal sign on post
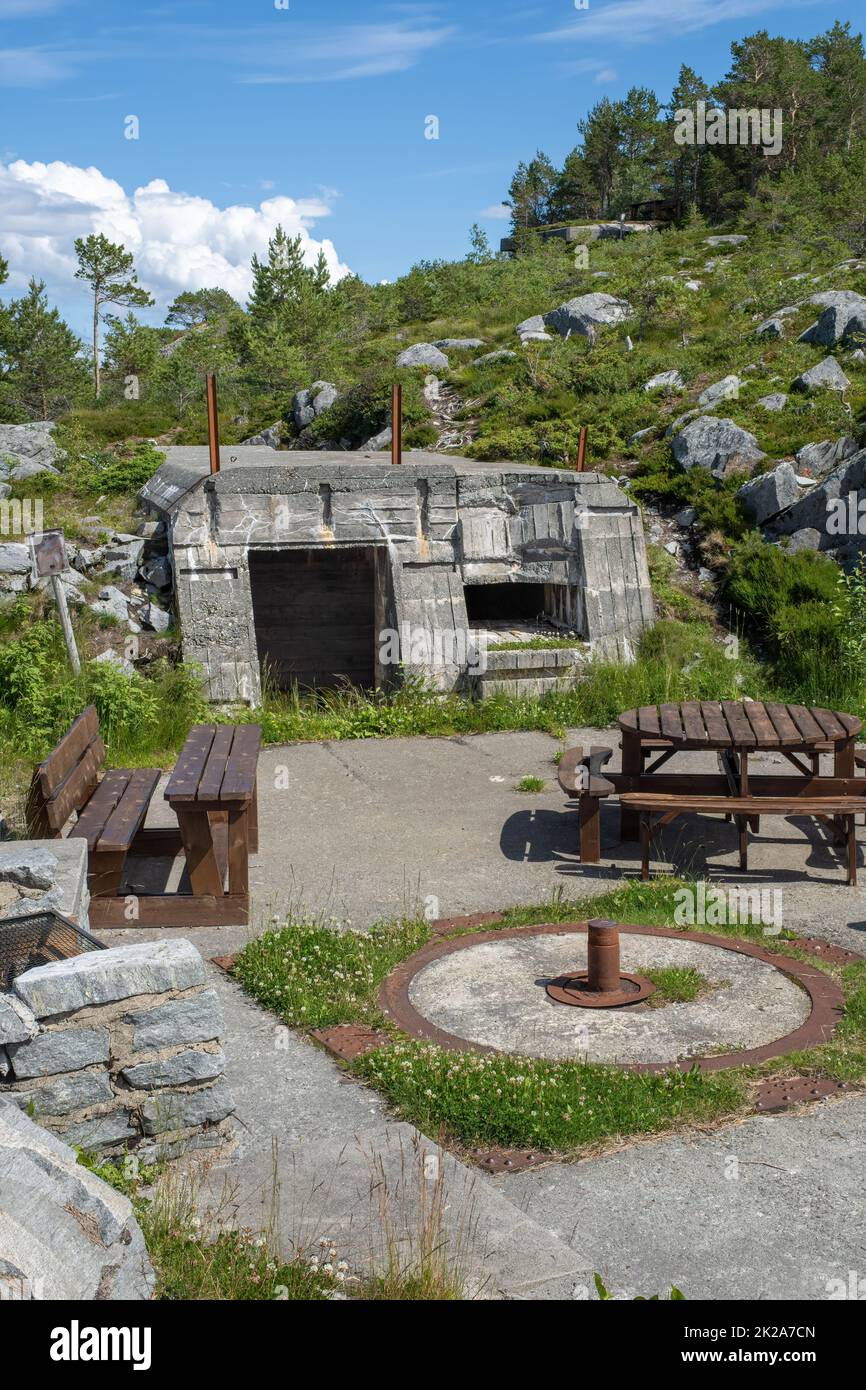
49 560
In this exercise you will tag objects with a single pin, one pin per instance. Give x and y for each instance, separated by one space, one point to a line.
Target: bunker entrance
315 616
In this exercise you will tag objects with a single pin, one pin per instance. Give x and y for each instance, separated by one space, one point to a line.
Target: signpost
48 554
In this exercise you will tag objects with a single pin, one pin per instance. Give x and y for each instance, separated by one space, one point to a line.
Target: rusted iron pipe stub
603 956
602 985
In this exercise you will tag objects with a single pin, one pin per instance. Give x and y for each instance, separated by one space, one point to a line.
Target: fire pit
37 939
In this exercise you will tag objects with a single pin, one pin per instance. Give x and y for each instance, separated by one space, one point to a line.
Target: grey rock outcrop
826 375
777 400
532 330
29 447
15 567
308 404
269 438
732 239
823 457
671 381
842 321
379 441
112 603
770 493
714 444
588 312
821 519
501 355
458 344
725 390
64 1233
157 619
423 355
30 868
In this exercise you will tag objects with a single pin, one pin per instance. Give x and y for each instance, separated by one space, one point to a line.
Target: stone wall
37 874
119 1050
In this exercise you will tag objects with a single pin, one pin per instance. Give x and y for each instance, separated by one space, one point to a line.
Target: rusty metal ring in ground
826 997
574 989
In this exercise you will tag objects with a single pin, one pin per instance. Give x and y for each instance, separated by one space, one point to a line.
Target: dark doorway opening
504 602
314 614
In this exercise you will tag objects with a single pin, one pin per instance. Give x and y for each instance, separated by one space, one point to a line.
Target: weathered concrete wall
440 523
118 1050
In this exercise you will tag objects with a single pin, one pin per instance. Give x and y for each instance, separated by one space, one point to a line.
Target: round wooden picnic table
736 728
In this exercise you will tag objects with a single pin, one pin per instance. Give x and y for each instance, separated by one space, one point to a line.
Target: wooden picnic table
735 729
214 783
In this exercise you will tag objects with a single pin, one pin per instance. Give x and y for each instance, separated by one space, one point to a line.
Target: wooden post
213 424
397 424
69 635
581 449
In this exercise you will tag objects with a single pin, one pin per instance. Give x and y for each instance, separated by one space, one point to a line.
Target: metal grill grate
37 939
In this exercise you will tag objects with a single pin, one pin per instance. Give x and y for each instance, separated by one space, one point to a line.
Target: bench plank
55 769
91 822
742 733
743 805
128 815
183 783
211 781
239 781
762 724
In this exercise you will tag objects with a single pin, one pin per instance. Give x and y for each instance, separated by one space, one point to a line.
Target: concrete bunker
319 568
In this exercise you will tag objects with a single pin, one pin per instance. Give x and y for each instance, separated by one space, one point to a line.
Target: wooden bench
664 807
110 812
580 776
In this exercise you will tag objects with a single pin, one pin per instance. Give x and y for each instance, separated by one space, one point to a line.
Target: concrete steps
530 671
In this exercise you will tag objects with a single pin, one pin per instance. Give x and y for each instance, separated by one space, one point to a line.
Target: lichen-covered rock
64 1233
714 444
22 445
588 312
308 404
841 322
501 355
532 330
458 344
777 400
423 355
269 438
820 458
769 493
725 390
100 977
157 619
826 375
112 603
671 381
732 239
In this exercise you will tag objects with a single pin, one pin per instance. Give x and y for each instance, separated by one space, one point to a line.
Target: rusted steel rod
397 424
581 449
213 423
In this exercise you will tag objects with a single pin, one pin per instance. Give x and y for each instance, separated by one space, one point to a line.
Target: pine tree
109 271
43 369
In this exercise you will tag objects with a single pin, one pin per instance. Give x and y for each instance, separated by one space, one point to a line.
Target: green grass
539 644
530 784
536 1103
310 976
676 984
313 976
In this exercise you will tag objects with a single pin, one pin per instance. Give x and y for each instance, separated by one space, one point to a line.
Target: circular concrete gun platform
488 992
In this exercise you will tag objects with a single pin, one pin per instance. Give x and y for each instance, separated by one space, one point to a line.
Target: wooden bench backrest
67 778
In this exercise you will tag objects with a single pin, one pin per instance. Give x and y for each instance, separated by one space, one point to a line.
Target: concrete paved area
363 829
494 993
773 1208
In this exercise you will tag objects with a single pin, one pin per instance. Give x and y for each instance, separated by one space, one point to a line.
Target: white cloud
498 212
180 241
339 52
22 9
31 67
606 75
642 21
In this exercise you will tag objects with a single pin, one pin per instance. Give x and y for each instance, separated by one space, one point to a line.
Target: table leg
238 850
201 862
253 822
632 765
843 759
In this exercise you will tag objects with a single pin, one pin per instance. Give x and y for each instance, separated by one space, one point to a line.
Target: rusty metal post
213 423
603 957
397 424
581 448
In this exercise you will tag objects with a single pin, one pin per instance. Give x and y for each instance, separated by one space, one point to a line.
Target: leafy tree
479 246
40 357
109 271
530 192
195 307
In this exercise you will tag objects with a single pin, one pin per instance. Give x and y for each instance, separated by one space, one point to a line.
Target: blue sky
313 114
